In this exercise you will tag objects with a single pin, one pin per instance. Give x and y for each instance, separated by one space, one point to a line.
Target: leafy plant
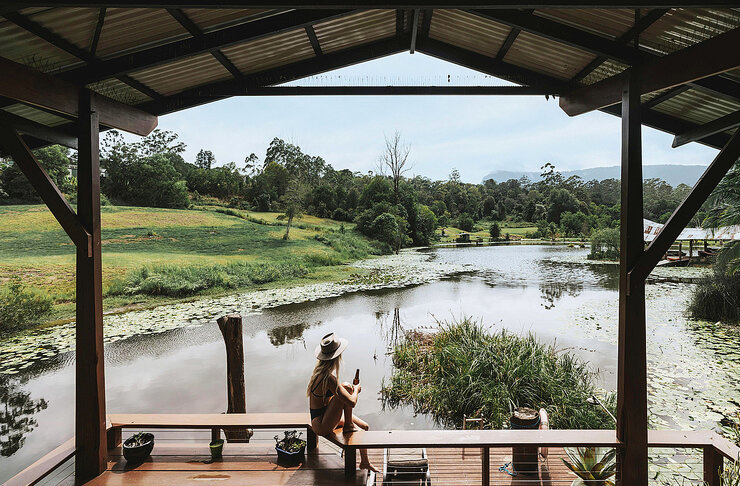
20 305
291 442
139 439
594 466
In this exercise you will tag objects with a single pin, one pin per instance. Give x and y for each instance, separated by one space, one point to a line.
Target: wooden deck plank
211 420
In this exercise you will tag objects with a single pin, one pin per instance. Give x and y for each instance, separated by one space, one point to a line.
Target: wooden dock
182 463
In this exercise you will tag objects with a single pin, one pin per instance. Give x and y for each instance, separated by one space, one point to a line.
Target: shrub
495 230
465 371
21 306
716 298
605 244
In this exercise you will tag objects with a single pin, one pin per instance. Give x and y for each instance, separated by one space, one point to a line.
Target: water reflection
288 334
17 411
554 291
392 332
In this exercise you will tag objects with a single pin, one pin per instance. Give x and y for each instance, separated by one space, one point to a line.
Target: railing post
713 463
485 466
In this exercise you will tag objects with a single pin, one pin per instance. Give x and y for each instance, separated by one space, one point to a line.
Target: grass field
35 248
518 229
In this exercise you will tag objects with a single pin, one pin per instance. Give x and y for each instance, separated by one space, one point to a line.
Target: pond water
548 290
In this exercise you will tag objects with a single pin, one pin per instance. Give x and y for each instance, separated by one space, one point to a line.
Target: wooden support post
350 464
632 360
680 251
713 463
485 459
312 441
90 429
691 250
231 329
114 437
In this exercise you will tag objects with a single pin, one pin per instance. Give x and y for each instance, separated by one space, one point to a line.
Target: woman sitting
328 400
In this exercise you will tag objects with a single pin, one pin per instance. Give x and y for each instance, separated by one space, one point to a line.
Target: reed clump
465 370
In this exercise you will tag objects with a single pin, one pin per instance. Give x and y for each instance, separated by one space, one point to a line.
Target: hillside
173 245
672 174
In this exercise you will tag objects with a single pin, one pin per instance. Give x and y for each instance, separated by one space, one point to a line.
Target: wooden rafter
27 85
314 41
208 42
714 127
508 42
414 30
371 4
46 189
713 56
98 31
39 131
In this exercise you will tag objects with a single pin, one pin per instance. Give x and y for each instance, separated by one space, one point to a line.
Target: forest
385 204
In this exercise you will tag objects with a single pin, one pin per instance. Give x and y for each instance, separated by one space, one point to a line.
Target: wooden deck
182 463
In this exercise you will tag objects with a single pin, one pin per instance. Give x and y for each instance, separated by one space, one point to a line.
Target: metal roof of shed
168 59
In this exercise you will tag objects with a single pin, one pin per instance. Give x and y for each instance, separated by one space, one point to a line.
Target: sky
474 134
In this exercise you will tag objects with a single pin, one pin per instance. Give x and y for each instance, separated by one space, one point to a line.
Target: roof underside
165 60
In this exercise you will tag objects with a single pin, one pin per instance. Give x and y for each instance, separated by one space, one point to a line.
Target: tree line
385 204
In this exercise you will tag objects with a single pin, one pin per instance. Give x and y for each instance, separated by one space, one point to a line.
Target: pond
549 290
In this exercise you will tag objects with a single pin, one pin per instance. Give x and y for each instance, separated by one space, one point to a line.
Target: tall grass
21 306
716 298
465 370
181 281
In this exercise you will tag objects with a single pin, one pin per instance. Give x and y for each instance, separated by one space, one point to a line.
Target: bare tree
394 159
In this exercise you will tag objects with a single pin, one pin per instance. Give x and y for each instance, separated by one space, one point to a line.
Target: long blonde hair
321 373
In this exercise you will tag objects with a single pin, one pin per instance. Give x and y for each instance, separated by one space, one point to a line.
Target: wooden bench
213 421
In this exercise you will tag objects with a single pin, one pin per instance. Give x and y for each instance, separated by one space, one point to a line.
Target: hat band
329 347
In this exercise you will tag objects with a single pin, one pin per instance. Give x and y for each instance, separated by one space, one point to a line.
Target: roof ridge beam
208 42
708 58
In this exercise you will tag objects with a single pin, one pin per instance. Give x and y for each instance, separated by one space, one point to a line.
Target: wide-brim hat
330 347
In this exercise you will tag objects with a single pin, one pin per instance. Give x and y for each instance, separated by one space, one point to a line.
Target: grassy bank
152 256
466 371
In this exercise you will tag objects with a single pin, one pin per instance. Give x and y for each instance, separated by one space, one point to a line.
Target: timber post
632 359
231 329
90 430
713 464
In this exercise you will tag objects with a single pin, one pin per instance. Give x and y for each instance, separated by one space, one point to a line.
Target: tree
465 222
385 228
54 159
573 224
425 223
205 159
495 230
17 410
293 203
394 159
725 211
560 200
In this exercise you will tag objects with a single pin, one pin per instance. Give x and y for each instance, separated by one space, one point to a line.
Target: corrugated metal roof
35 114
356 29
127 29
212 19
76 25
600 21
174 77
683 27
277 50
697 107
605 70
119 91
21 46
548 57
468 31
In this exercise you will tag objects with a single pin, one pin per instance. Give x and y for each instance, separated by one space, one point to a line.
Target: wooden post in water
231 329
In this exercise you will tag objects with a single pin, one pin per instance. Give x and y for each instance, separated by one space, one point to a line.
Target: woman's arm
343 392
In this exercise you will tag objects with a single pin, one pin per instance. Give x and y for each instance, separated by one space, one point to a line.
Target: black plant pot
286 458
138 453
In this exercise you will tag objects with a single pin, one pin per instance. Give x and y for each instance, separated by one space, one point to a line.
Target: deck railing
714 448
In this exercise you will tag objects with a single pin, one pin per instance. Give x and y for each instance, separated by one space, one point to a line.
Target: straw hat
330 347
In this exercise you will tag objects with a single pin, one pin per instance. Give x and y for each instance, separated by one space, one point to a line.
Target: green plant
716 298
139 439
20 305
604 244
466 370
594 466
291 441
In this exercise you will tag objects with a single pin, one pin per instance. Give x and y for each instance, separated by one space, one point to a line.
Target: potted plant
290 449
594 466
138 447
217 449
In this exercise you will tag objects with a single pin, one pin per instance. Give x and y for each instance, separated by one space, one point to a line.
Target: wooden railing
715 448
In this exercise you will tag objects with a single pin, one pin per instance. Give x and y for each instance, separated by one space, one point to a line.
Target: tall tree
394 160
205 159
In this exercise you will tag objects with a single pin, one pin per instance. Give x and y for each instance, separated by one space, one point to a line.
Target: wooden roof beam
708 58
373 4
27 85
701 132
315 45
39 131
209 42
392 90
414 30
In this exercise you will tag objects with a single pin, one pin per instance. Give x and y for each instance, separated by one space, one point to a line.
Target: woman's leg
331 418
349 421
364 461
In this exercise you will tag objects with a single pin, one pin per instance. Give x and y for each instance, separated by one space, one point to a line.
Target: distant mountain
672 174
